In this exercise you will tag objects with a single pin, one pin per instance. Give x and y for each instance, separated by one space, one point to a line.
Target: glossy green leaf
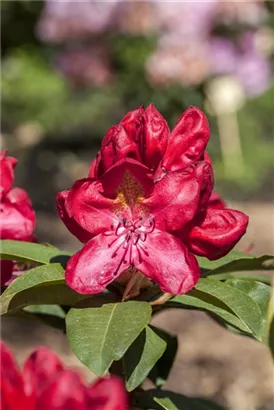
42 285
205 302
160 372
32 252
142 356
260 293
241 304
99 336
237 262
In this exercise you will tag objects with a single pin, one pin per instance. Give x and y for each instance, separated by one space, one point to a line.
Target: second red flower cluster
45 384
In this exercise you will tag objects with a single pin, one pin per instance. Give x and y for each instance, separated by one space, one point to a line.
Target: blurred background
71 69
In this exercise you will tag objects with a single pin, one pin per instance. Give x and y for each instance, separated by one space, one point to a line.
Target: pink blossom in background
241 59
241 12
64 20
85 66
189 19
254 73
187 51
178 63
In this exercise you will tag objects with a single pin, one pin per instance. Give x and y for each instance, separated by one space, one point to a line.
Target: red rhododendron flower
146 206
17 214
131 222
45 384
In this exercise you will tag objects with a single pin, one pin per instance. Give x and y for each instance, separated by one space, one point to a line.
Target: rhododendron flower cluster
17 214
45 384
188 49
145 207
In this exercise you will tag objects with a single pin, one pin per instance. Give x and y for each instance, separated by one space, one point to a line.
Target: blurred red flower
17 214
45 384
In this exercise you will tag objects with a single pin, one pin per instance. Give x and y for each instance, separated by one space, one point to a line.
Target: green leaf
271 337
237 262
50 315
203 301
242 305
160 372
180 402
270 322
165 403
32 252
260 293
98 336
141 357
51 310
164 399
42 285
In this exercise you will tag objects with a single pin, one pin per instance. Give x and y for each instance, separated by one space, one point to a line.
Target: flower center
130 239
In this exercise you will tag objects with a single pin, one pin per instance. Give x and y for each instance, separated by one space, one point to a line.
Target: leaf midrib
105 334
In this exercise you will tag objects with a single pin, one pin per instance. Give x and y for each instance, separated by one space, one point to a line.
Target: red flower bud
188 140
154 137
133 123
117 145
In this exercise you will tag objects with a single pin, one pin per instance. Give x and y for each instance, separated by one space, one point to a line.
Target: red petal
117 145
7 165
65 392
133 123
70 222
217 232
96 265
12 389
21 200
17 221
39 370
88 207
94 170
188 140
179 195
108 394
155 137
207 158
168 263
129 177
